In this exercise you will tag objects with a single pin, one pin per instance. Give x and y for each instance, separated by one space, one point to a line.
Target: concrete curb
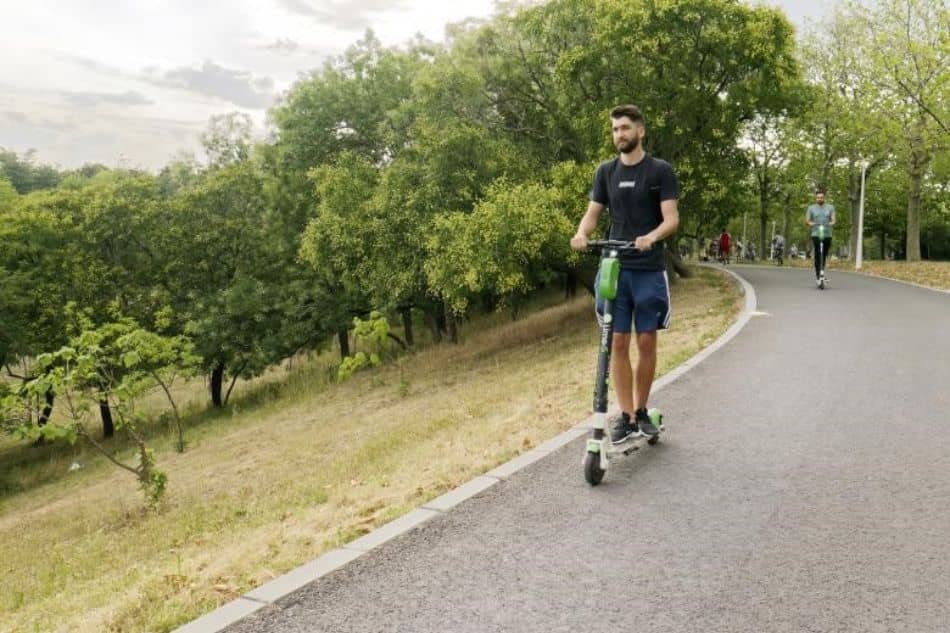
276 589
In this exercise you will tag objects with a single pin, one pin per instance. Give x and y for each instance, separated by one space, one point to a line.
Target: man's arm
587 225
671 221
669 209
808 217
831 221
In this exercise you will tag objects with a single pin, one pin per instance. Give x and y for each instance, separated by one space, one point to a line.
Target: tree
341 242
8 195
227 139
116 363
348 105
504 248
182 172
907 45
767 144
222 282
24 175
151 358
43 270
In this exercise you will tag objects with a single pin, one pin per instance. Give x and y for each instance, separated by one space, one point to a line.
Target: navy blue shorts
643 298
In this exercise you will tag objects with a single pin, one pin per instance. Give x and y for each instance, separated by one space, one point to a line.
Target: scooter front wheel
593 473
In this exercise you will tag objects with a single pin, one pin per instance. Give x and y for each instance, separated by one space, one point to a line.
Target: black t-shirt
633 195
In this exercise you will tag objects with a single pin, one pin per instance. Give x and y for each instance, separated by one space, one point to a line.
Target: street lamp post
860 246
772 243
743 226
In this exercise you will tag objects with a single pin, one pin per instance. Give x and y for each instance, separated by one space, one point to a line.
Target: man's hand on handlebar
644 243
579 242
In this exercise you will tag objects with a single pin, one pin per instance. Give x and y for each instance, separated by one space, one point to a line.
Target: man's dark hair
819 190
629 110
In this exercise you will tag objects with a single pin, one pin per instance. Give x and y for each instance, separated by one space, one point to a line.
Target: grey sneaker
623 430
646 426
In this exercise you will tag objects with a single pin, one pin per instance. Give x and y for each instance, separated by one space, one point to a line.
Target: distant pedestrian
820 217
725 243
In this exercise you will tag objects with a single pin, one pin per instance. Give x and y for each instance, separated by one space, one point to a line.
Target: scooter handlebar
620 245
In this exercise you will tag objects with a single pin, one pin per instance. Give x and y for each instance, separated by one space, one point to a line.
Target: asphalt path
803 484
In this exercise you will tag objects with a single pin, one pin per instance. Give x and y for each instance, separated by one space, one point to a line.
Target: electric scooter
821 245
600 450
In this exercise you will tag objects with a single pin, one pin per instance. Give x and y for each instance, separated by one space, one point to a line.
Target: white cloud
92 99
283 45
347 15
235 86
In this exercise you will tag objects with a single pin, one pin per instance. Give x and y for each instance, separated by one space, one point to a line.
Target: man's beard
630 146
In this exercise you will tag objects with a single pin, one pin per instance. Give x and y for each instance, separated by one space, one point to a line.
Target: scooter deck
629 445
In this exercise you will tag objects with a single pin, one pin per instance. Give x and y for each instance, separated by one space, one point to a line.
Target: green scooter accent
609 277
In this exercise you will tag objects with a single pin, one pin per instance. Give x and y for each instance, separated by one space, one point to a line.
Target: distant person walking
820 217
725 243
778 248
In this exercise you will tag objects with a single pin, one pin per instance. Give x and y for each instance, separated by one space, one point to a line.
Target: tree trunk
451 325
343 336
570 285
108 428
406 314
675 266
786 216
918 163
763 222
440 318
883 243
586 272
433 323
237 374
217 378
401 343
47 410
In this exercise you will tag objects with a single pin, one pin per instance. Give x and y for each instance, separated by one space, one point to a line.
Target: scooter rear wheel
593 473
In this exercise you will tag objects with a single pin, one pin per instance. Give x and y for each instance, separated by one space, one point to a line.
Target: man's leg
622 371
817 253
646 367
653 314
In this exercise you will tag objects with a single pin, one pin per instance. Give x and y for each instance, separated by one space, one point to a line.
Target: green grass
298 465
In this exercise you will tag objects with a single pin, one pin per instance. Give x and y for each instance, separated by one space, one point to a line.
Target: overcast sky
132 82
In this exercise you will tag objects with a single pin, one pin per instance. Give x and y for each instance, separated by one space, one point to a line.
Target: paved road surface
804 485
